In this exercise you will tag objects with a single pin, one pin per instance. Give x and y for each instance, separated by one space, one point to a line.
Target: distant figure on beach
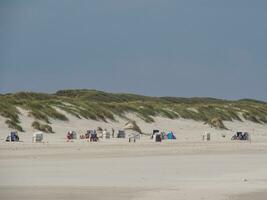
113 131
203 136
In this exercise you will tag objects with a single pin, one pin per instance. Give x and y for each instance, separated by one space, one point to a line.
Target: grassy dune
98 105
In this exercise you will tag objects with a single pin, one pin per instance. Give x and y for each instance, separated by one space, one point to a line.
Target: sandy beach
187 168
145 170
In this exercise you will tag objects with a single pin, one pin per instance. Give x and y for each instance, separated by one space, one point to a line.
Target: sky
185 48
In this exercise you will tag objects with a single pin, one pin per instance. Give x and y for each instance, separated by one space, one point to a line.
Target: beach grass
103 106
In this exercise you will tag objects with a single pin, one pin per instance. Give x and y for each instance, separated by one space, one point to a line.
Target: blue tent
171 136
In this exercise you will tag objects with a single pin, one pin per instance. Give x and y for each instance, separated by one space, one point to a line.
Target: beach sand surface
187 168
141 171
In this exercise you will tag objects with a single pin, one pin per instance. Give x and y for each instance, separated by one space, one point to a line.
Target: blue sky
153 47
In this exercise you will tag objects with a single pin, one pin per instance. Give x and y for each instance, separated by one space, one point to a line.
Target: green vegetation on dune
98 105
42 127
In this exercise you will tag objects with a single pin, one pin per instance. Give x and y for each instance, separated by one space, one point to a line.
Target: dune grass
102 106
42 127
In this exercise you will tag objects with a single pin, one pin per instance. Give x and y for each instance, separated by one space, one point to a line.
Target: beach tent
206 136
13 137
158 138
121 134
106 134
71 135
38 137
93 137
155 132
89 133
171 136
241 136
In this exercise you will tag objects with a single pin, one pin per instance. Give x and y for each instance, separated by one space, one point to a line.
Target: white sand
169 170
183 169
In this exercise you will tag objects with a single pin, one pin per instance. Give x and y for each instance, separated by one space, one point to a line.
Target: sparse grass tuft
13 125
42 127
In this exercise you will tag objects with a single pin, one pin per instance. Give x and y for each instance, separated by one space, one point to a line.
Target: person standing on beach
113 131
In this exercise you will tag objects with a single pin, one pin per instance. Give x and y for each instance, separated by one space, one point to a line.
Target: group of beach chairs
241 136
95 135
14 137
158 136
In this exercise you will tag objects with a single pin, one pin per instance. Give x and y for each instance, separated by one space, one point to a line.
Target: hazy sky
213 48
